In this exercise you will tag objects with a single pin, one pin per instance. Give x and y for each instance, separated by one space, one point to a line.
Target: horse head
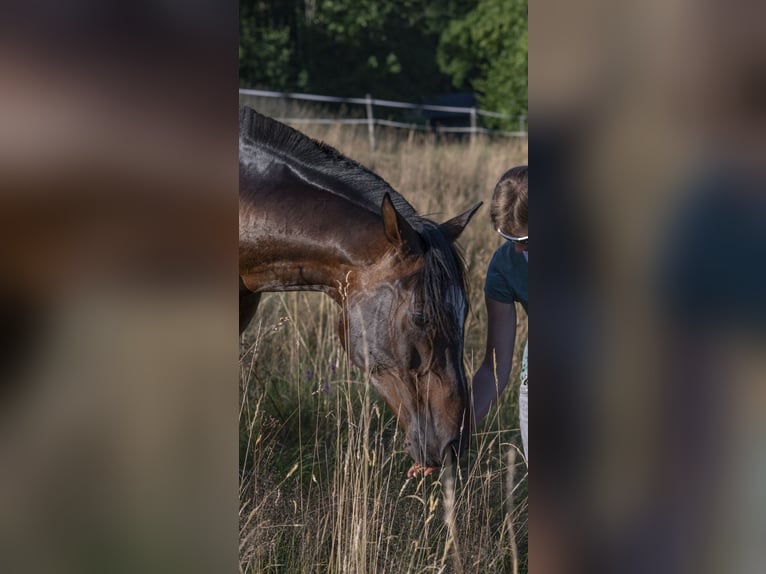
403 321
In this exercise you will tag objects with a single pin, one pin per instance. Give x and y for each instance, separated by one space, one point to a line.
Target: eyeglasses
518 240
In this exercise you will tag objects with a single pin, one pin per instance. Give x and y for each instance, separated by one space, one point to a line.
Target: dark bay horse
311 219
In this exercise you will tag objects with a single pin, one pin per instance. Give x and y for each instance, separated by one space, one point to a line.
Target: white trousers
524 403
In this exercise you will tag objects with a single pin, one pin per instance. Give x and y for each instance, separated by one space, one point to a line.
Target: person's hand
418 469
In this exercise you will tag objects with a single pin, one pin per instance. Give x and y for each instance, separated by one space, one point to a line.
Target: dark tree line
397 49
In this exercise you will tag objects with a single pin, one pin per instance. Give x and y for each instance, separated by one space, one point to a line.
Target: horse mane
357 182
443 263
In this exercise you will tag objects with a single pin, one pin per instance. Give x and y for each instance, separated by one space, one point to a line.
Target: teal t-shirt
507 276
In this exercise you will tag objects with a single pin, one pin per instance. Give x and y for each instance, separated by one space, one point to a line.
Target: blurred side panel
118 230
648 136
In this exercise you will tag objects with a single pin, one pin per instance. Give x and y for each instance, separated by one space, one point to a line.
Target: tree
267 51
346 47
486 51
398 49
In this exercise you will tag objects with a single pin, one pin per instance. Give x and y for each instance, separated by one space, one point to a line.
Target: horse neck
310 248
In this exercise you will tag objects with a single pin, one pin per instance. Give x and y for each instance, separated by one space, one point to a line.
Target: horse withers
310 219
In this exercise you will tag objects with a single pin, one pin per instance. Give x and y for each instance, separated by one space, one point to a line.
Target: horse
311 219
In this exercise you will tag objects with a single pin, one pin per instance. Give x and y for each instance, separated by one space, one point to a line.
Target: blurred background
649 146
118 210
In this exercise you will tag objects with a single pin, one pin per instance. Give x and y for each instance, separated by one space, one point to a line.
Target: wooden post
522 118
473 126
370 123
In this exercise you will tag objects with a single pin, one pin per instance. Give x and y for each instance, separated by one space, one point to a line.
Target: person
505 285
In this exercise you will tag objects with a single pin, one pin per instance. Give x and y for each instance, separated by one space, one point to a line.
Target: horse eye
414 360
419 319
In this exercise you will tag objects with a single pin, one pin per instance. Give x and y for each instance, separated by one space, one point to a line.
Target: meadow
323 484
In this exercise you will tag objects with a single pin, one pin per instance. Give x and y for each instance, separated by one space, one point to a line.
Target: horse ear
398 231
454 227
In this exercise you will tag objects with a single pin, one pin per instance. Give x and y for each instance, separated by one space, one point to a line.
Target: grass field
323 475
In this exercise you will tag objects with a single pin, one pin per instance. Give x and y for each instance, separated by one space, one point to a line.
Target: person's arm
492 376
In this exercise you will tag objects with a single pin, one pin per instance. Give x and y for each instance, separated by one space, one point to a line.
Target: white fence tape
371 121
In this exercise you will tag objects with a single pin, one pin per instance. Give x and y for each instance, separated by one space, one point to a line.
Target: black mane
443 263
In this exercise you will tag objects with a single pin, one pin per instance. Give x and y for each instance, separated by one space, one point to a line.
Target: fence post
473 125
522 119
370 122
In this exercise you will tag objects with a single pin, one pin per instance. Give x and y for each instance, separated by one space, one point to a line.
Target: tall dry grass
323 477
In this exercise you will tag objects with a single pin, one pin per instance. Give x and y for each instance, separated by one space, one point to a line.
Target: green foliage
487 52
348 47
400 49
266 48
